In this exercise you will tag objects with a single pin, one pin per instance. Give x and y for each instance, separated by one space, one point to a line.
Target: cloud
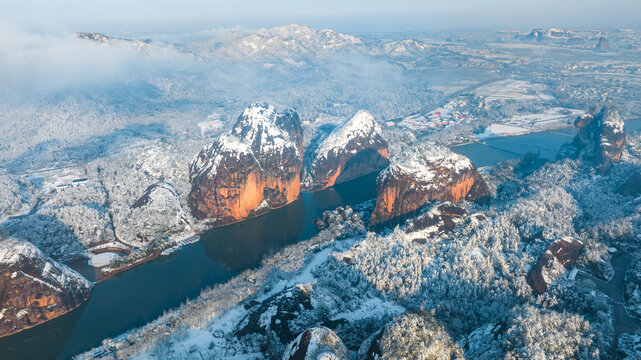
35 65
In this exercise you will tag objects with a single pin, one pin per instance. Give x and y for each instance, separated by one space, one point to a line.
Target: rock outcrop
35 288
411 336
254 168
421 173
439 220
354 149
276 316
563 252
602 44
319 343
600 138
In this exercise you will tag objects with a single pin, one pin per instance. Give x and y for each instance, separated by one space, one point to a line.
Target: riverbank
130 299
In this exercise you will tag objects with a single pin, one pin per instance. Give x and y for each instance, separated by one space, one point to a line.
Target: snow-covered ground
513 90
102 259
552 118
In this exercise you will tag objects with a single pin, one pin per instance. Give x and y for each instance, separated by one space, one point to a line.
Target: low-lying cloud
34 65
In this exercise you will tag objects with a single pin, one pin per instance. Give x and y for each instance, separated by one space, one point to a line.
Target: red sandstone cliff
422 173
252 169
354 149
35 288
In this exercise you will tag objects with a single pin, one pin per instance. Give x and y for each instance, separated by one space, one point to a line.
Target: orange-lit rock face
354 149
253 169
401 189
30 288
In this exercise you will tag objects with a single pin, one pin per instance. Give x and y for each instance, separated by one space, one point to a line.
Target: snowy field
521 124
513 90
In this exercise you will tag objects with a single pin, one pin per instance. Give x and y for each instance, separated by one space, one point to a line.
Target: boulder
632 186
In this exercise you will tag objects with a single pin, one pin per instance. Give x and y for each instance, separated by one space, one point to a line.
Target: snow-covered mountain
283 42
250 170
354 149
423 172
35 288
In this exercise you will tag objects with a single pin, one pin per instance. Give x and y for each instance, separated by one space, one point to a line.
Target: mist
35 65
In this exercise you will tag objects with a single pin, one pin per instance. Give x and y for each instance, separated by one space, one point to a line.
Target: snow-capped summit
35 287
290 41
250 170
354 149
423 172
552 33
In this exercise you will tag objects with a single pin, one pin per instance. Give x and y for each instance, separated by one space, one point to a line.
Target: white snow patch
102 259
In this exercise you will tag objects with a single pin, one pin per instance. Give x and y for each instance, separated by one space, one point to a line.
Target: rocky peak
265 130
600 138
97 37
354 149
250 170
424 172
602 44
35 288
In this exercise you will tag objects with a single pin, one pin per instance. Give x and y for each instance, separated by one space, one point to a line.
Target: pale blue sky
372 15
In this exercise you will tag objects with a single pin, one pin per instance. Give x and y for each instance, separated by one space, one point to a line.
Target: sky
114 16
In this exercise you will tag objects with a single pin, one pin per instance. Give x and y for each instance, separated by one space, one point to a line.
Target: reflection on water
42 342
141 294
242 245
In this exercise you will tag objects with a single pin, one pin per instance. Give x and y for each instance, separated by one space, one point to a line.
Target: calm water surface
141 294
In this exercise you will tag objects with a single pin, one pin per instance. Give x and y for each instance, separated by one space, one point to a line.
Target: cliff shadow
55 238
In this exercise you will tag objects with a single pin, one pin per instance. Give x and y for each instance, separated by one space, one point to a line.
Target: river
133 298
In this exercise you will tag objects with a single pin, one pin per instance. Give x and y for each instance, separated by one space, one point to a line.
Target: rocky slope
319 343
34 288
561 253
354 149
421 173
157 214
252 169
600 138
